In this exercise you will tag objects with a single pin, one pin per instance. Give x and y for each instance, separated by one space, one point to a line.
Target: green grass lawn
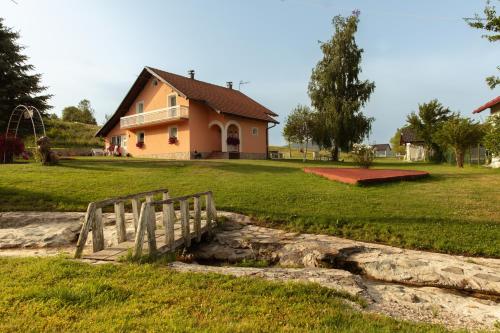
454 211
55 295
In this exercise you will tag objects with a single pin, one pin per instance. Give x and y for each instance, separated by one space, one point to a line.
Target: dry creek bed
456 291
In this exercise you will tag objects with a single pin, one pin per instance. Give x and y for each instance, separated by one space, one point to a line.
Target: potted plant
172 140
233 141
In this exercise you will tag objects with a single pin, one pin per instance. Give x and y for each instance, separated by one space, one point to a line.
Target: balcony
155 117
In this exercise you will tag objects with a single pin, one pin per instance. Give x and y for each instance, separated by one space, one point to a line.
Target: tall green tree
299 127
87 112
459 134
396 143
491 139
426 122
336 91
83 113
17 83
490 22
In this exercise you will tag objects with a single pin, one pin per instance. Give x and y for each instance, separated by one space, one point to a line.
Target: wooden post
152 219
214 210
208 208
150 227
141 229
87 222
185 222
135 212
98 232
168 223
197 218
121 230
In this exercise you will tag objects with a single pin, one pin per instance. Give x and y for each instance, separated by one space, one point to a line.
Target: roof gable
488 105
219 98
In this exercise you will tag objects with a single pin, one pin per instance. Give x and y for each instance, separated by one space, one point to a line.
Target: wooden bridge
175 234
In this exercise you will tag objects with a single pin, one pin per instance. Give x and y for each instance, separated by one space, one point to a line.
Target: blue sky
414 50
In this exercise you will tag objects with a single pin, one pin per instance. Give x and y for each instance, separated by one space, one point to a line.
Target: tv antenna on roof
242 83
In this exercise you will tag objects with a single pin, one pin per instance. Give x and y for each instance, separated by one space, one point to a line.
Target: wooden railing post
152 219
98 231
87 222
135 212
141 229
151 225
208 208
121 230
168 223
214 210
197 218
185 222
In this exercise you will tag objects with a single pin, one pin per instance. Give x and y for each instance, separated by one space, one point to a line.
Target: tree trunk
289 149
335 153
305 151
459 155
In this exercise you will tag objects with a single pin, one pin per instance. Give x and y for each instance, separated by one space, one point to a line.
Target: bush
10 147
363 154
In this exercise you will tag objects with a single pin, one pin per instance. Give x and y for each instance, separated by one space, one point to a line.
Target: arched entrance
215 131
233 139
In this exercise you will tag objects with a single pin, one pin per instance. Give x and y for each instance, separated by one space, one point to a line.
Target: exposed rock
413 285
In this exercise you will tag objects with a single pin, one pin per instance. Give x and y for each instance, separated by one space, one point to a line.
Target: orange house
165 115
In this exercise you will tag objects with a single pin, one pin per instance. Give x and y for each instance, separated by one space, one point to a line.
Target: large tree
83 113
18 85
490 22
299 127
337 92
426 122
396 145
459 134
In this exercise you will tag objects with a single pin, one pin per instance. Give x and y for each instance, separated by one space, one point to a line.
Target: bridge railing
93 218
147 220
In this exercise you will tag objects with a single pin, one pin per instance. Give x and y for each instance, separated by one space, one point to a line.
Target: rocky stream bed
456 291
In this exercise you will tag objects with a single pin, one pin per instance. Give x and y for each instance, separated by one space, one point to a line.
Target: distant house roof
382 147
408 135
488 105
221 99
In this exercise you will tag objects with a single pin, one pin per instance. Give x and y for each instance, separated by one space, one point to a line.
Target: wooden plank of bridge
120 250
185 222
135 212
87 223
197 218
168 223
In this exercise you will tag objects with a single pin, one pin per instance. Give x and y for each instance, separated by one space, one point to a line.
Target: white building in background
494 106
415 150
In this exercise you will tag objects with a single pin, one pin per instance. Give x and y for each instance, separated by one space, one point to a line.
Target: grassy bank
453 211
55 295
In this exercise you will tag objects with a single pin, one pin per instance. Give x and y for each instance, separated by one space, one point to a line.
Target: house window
172 132
139 108
255 131
155 82
172 100
116 140
140 137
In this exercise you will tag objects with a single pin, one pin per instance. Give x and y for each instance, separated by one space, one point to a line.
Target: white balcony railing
155 117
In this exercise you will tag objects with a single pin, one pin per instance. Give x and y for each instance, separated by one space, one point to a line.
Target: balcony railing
155 117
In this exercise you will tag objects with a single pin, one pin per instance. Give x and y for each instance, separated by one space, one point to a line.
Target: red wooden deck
366 176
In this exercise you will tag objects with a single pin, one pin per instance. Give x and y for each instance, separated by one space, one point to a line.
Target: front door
124 145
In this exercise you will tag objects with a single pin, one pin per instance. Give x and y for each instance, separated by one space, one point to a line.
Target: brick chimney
229 84
191 73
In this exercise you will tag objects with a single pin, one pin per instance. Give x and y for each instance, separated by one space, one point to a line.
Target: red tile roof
488 105
222 99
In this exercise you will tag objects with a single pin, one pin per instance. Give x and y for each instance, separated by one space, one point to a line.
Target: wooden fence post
121 230
197 218
87 222
98 232
185 222
168 223
135 212
141 229
208 208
